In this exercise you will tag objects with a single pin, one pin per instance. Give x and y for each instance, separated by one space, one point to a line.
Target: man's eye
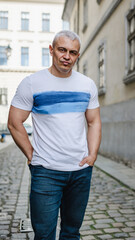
73 53
62 50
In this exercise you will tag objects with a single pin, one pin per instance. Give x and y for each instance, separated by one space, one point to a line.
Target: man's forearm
20 137
94 138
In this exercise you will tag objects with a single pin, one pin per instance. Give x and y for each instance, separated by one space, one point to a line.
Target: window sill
129 78
84 27
101 91
99 1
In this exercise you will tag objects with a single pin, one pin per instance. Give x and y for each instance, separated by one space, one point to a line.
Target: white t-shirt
58 108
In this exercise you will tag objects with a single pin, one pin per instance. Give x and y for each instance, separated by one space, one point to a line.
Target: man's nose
67 55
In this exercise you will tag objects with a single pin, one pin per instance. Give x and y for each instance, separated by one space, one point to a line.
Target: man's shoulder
37 74
82 77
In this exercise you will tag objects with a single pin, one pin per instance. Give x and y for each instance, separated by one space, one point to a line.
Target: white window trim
129 77
101 90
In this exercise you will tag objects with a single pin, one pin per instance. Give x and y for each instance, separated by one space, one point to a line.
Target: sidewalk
118 171
8 141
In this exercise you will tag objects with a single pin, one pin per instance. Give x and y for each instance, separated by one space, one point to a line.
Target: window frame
24 55
3 52
85 15
25 21
44 54
101 63
45 22
130 36
4 19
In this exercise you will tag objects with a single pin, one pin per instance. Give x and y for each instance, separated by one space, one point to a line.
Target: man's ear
51 50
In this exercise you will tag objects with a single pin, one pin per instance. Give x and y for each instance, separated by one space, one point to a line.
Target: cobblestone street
110 213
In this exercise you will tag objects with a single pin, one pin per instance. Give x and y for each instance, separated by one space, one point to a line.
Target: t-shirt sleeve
23 98
93 102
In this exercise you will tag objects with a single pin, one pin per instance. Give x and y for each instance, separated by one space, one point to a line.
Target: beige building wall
107 24
114 36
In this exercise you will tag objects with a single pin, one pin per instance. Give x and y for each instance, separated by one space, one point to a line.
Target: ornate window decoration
130 41
85 15
85 68
101 70
99 1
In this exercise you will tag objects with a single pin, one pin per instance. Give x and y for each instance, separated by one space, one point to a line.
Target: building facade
107 32
26 30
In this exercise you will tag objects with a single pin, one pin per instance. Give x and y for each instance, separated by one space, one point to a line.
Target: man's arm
15 124
94 135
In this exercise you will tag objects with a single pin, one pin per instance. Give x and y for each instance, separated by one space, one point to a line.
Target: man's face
64 55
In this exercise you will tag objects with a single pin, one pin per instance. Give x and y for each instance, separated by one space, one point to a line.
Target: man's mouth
65 63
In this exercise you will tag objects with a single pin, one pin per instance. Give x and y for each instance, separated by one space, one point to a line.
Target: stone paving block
99 216
4 232
130 224
88 238
121 219
121 235
105 237
3 227
88 223
130 238
19 236
128 230
84 227
107 220
118 224
112 230
126 211
101 226
91 232
132 234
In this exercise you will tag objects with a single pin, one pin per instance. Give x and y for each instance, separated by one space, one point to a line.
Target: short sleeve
93 102
23 97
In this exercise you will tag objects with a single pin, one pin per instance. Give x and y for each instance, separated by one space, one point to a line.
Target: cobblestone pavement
110 213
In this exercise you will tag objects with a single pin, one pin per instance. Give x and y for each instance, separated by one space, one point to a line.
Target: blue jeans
51 190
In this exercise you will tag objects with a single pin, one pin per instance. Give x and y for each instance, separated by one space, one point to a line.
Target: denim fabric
51 190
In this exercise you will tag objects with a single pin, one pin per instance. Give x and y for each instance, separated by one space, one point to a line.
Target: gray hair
66 33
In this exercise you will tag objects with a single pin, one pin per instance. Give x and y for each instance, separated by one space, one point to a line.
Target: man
61 158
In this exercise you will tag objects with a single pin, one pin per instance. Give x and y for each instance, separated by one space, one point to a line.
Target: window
85 14
101 70
75 23
45 57
3 96
85 68
99 1
25 21
3 20
24 56
130 73
45 22
3 56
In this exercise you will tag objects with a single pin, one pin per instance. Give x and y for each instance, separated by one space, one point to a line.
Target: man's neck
59 74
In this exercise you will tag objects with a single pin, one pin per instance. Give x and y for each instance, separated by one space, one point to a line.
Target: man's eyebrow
72 50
